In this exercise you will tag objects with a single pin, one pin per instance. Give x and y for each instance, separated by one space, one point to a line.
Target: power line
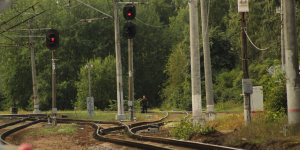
24 30
1 33
255 45
3 23
150 25
23 21
110 6
23 36
15 41
94 8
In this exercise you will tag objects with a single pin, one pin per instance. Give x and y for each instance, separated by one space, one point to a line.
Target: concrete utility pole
292 62
247 113
90 99
89 76
130 80
195 62
121 115
210 115
282 34
33 67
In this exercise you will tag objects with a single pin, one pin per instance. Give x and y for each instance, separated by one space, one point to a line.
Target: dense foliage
161 53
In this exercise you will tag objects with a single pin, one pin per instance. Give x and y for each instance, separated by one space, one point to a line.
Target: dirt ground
83 140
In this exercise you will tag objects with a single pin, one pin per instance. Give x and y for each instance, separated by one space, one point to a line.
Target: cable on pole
260 49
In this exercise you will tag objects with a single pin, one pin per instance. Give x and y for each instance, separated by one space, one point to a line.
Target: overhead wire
260 49
3 23
149 24
23 21
1 32
18 44
110 7
94 8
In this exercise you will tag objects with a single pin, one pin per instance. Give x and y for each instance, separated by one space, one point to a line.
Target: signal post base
121 117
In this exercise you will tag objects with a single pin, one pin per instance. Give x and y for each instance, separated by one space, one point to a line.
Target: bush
274 89
272 116
185 130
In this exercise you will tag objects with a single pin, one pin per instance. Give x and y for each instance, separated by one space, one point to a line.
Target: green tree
177 91
103 83
151 47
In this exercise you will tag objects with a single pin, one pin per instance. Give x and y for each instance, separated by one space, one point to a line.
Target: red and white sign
243 6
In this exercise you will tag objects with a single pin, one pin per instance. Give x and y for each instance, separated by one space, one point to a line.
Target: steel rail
133 128
97 135
130 129
24 115
7 133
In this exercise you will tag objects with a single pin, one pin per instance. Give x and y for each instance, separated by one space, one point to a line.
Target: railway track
21 124
128 131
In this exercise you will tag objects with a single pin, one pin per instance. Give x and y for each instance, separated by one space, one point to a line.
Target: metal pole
54 108
292 62
207 58
130 80
247 114
34 78
195 62
121 115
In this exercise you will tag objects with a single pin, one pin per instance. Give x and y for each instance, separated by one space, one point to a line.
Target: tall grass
228 106
259 130
227 121
186 129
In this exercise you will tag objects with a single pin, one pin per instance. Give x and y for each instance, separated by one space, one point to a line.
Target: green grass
99 115
59 129
105 115
229 106
19 112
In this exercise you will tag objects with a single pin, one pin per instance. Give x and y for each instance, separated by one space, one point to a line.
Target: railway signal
129 30
52 39
129 12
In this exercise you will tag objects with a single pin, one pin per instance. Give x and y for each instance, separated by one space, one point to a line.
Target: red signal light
52 39
129 12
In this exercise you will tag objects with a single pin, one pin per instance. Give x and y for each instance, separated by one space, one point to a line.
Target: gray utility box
257 104
247 86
